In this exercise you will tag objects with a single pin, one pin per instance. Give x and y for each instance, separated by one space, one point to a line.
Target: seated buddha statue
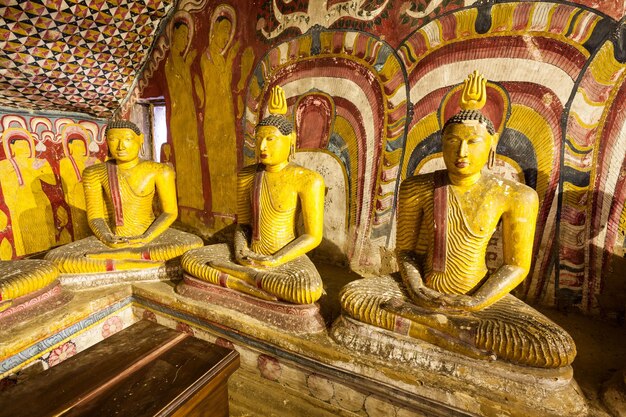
119 196
25 283
267 258
445 222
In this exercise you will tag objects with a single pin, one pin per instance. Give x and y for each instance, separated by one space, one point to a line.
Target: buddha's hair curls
465 115
279 122
122 124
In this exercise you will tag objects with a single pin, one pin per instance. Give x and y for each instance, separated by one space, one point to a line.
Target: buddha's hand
427 297
458 303
114 241
241 255
137 241
257 260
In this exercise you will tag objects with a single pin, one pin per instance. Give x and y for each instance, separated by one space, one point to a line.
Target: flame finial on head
278 103
474 96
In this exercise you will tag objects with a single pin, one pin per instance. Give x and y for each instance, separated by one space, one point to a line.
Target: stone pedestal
476 386
292 318
170 270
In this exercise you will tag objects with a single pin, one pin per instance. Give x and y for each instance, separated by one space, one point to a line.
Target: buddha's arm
93 178
245 179
311 195
240 242
409 222
165 183
518 233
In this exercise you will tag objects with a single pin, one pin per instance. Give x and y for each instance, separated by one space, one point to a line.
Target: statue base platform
48 298
462 380
293 318
170 270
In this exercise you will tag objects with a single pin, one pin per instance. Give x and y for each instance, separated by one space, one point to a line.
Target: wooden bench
144 370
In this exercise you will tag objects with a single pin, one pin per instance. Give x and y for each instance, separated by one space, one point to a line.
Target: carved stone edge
168 271
293 318
551 392
49 298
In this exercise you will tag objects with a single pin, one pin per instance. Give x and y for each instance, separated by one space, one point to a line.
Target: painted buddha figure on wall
119 197
267 259
445 222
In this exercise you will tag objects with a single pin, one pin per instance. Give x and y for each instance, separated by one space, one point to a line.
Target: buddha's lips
263 155
461 164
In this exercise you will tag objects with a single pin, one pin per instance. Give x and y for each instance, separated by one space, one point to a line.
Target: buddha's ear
494 139
140 137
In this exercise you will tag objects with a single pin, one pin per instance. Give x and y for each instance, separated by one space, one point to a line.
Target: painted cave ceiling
74 55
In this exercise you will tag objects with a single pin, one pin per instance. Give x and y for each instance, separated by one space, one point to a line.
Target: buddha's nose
463 149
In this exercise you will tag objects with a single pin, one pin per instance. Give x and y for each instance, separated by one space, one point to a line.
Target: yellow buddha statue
119 197
268 258
445 222
25 283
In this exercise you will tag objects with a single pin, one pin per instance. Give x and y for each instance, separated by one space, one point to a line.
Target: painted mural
72 55
41 165
367 82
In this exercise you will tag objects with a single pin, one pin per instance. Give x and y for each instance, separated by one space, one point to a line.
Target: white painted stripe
433 33
283 48
496 69
541 13
399 96
349 40
590 114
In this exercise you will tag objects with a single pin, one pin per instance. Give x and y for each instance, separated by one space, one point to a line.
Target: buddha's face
124 144
272 146
180 38
221 34
466 147
20 148
77 148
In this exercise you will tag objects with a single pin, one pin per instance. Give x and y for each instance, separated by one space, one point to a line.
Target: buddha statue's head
275 135
77 147
21 147
180 38
469 138
221 33
124 140
275 138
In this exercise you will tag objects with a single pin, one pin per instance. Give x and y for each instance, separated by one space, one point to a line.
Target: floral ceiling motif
74 55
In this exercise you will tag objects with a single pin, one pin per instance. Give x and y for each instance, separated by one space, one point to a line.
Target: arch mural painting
335 81
366 86
42 162
504 41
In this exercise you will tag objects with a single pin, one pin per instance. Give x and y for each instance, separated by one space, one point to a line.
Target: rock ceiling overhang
74 55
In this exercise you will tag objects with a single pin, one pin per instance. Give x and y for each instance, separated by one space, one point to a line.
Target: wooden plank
144 370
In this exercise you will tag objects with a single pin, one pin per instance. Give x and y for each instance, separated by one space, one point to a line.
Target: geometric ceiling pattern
74 55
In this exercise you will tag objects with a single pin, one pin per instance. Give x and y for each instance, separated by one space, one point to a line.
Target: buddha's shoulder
96 170
248 171
304 175
511 189
157 168
420 182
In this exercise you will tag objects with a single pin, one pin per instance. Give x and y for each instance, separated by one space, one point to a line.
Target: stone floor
601 348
